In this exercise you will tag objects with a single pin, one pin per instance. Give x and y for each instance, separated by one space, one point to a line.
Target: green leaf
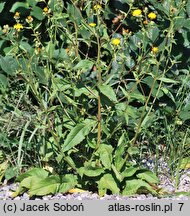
77 134
148 120
91 94
107 182
117 173
68 181
26 179
25 46
40 73
180 23
32 2
90 171
3 167
3 80
184 113
60 54
153 33
119 151
105 152
149 81
25 183
39 172
84 65
148 176
37 12
10 173
128 172
168 93
163 9
86 34
45 186
23 186
188 7
129 62
185 163
130 112
68 159
133 150
74 13
19 5
133 186
108 92
2 6
52 184
186 41
137 96
8 64
167 80
134 40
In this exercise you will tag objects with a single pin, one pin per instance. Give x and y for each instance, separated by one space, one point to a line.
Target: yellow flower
116 41
18 26
137 12
45 10
17 15
152 15
97 7
92 24
29 19
155 49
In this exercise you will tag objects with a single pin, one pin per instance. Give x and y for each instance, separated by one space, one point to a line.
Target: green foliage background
86 109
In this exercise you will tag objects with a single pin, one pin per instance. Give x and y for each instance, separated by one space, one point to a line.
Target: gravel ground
166 183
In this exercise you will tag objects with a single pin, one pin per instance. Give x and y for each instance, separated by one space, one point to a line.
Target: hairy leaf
107 182
128 172
132 187
148 176
105 152
77 134
108 92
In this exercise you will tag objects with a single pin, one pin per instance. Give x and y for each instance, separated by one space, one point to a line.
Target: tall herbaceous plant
90 89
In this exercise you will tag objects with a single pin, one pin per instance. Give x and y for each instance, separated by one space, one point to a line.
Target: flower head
17 15
18 26
152 15
46 10
5 29
116 41
137 13
97 7
92 24
155 50
29 19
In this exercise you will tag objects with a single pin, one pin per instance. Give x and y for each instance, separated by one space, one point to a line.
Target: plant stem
99 99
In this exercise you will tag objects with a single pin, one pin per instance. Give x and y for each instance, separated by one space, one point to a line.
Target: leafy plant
39 182
90 88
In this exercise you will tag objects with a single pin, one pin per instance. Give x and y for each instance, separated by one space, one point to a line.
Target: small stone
17 198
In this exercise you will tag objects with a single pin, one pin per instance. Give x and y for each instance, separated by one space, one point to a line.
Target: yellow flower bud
45 10
97 7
